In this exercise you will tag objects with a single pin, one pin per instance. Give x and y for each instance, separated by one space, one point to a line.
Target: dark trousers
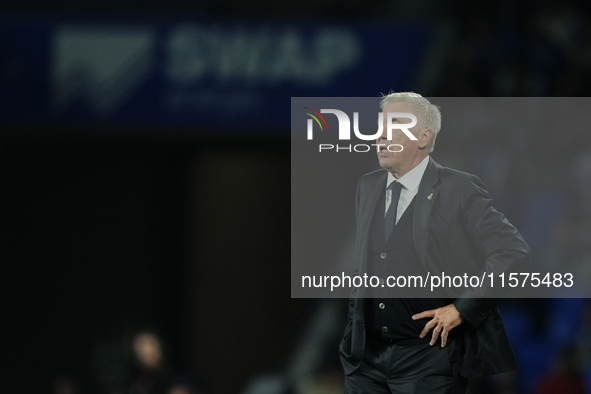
417 369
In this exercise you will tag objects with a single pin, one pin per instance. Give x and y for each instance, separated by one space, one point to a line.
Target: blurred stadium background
145 194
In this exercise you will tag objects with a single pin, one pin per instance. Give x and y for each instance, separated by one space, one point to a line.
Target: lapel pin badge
430 196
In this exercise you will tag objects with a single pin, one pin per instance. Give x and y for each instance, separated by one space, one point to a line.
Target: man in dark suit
418 217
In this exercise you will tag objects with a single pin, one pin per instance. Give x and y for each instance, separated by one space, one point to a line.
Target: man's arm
505 251
356 268
498 240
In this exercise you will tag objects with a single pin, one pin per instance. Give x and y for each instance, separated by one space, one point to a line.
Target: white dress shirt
410 186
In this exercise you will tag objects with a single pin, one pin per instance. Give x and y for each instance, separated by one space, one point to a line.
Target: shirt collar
411 179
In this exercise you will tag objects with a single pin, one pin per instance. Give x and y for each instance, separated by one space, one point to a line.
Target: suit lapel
369 205
424 202
372 199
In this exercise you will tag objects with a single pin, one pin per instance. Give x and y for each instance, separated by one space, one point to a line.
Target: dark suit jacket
457 225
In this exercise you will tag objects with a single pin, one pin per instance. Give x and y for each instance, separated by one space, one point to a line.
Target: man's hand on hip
444 320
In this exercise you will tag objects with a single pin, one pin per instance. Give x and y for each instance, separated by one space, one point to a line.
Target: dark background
110 234
184 230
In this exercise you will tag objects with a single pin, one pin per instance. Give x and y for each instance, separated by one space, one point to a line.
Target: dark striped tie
390 220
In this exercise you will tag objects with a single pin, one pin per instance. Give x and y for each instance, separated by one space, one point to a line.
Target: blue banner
200 72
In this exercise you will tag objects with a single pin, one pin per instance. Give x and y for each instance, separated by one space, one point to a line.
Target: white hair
425 110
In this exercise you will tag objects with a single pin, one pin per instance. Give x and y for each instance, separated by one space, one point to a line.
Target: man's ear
424 138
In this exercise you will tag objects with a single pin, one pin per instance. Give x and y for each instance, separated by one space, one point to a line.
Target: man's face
403 161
